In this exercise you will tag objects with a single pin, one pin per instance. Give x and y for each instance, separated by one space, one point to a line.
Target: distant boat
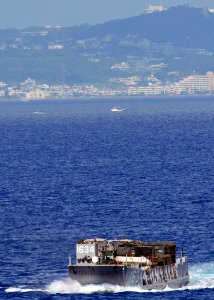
38 112
116 109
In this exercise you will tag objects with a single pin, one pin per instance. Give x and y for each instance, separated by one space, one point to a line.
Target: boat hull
126 276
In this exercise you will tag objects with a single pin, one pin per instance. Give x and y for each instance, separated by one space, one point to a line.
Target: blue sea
81 171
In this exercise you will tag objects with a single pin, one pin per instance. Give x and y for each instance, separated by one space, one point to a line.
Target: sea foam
201 277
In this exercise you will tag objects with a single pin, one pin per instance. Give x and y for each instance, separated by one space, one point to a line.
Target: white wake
201 277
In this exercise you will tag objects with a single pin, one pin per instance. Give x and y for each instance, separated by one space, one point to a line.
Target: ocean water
81 171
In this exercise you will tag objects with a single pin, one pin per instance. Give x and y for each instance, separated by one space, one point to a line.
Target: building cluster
30 90
192 85
160 8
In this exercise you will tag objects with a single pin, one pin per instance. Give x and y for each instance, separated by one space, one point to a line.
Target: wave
21 289
201 277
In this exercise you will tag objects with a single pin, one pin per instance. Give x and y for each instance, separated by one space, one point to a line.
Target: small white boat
116 109
38 112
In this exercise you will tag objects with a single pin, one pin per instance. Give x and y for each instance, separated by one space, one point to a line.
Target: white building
197 83
123 66
146 90
154 8
55 47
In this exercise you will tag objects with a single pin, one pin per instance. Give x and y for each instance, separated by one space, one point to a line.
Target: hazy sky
23 13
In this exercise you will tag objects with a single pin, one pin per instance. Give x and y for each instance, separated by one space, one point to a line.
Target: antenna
69 260
63 73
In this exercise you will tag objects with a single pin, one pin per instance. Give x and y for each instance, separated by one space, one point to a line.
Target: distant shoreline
6 100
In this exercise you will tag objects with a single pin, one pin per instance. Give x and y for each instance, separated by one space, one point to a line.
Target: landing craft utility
129 263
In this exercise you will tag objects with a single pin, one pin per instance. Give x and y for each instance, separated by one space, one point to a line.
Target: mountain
179 40
182 26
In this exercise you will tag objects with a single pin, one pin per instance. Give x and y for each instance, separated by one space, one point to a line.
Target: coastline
123 97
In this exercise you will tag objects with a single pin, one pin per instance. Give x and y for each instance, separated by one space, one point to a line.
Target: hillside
182 26
177 41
